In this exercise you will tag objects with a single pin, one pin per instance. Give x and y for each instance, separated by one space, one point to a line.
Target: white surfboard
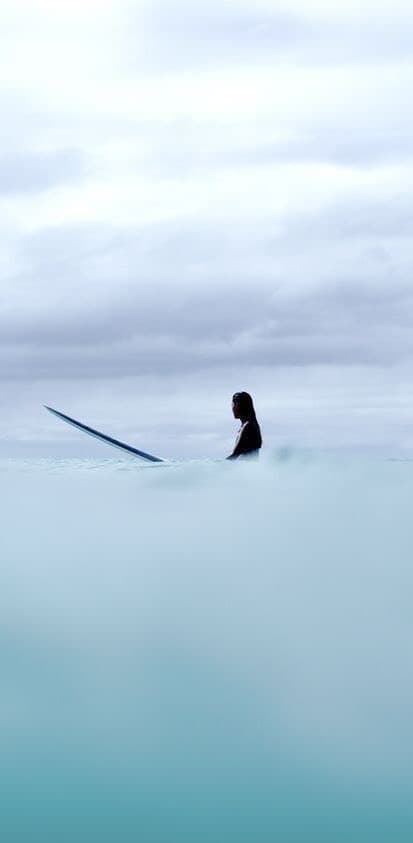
129 449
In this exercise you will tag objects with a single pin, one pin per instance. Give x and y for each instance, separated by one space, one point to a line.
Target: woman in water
249 439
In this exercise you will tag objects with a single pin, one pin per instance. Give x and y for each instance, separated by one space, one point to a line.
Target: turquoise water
206 652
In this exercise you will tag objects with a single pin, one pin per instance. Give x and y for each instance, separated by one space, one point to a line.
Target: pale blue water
206 652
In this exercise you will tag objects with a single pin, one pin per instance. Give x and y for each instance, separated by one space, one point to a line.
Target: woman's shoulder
250 427
251 433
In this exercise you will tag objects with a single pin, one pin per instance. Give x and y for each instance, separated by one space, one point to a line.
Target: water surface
206 651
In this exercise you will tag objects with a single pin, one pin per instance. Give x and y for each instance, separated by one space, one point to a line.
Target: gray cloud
341 326
179 35
202 149
33 172
366 147
378 221
106 301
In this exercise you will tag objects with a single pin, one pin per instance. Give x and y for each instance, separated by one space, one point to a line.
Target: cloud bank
194 202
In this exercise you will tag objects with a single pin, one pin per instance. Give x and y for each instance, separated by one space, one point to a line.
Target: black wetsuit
248 441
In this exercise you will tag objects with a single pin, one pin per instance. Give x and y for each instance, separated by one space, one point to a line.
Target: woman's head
242 406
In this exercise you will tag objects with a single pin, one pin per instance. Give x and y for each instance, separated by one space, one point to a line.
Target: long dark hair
246 408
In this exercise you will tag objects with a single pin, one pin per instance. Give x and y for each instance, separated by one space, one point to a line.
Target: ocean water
208 652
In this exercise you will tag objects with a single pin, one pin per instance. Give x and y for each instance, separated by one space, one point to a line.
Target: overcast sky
199 200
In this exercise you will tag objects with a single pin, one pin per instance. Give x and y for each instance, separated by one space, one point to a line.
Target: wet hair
246 409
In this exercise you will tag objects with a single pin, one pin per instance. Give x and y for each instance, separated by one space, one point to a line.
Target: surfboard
129 449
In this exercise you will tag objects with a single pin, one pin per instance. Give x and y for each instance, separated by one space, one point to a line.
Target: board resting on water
129 449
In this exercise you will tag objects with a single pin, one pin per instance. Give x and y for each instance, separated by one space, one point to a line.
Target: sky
197 201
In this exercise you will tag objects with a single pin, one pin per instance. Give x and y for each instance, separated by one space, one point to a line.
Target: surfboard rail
110 440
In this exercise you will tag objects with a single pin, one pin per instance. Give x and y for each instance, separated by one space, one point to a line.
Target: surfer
249 439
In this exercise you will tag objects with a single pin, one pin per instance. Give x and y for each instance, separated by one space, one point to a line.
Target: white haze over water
206 651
